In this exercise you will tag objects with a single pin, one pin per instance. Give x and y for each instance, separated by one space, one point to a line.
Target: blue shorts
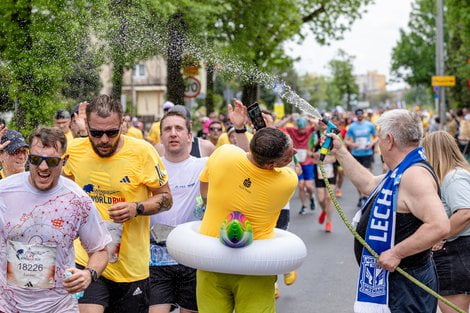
307 172
406 297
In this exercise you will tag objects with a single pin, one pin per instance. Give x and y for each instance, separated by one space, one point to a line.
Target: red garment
300 140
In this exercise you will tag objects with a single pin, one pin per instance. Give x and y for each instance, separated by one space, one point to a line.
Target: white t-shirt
455 191
183 179
37 230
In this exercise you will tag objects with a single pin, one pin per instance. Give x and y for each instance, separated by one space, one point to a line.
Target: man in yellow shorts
127 181
259 186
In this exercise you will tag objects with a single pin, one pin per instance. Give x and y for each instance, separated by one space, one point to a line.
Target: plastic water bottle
200 208
76 295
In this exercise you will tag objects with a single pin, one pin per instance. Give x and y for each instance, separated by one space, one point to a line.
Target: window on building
139 70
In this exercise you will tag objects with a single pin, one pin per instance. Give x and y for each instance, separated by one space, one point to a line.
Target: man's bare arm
418 196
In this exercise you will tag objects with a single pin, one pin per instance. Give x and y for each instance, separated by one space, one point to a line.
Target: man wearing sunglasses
127 181
41 214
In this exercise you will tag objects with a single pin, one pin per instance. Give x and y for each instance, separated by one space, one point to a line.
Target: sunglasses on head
110 133
36 160
215 129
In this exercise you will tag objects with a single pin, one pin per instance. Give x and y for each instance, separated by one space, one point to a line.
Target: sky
371 40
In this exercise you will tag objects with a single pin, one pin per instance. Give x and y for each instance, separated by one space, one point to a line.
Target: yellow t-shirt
223 139
257 193
135 132
123 177
69 136
154 133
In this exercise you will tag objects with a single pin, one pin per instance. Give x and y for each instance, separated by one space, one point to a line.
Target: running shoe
321 218
312 204
289 278
302 210
328 227
339 193
276 291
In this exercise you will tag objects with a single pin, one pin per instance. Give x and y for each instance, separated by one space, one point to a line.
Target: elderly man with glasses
14 154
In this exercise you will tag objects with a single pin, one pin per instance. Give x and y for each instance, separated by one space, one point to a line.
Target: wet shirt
122 177
35 223
185 187
236 184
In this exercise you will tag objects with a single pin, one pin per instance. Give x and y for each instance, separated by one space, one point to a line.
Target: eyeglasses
36 160
215 129
111 133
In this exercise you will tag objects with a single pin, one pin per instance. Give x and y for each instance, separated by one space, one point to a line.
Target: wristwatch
139 208
94 274
240 131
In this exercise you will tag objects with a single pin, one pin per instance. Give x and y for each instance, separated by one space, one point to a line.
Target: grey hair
404 126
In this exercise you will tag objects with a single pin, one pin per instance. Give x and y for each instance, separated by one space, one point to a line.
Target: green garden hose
372 252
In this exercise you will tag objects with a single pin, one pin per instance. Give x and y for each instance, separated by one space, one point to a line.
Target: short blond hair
443 153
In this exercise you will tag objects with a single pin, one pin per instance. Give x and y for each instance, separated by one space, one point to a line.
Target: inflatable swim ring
281 254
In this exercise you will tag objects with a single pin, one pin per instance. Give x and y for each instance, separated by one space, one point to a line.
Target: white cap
168 105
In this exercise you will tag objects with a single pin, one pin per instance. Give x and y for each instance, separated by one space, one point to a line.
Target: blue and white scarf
372 289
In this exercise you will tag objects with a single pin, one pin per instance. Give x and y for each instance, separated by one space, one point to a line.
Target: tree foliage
413 58
38 42
343 80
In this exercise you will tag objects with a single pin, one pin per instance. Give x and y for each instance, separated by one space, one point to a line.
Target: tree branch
313 14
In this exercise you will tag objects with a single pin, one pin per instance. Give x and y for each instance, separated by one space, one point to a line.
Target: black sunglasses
36 160
215 129
110 133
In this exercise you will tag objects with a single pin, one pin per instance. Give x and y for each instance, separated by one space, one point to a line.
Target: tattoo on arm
164 203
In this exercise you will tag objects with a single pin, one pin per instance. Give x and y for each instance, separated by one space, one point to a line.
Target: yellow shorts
222 293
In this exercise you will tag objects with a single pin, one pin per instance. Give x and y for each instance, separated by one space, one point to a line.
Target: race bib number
301 155
329 169
30 266
362 142
115 230
160 232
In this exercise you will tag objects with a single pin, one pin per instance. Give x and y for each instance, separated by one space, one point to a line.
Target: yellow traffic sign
444 81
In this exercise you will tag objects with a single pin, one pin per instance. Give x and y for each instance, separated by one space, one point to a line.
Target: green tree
38 41
341 68
413 58
257 38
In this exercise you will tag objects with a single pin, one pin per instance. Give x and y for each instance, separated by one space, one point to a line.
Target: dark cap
359 112
182 109
61 114
16 141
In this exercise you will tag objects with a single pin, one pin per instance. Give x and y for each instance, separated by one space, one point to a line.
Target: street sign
192 87
444 81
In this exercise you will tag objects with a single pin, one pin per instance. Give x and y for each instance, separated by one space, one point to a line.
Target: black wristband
139 208
240 131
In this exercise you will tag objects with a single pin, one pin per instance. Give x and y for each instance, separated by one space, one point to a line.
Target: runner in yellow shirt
259 186
127 182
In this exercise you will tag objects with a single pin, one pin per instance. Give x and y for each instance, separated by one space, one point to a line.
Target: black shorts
173 284
453 267
116 297
365 161
283 220
320 183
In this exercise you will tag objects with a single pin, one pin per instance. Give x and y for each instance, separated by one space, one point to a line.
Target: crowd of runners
86 206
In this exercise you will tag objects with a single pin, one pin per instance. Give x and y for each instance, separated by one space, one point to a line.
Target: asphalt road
327 280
